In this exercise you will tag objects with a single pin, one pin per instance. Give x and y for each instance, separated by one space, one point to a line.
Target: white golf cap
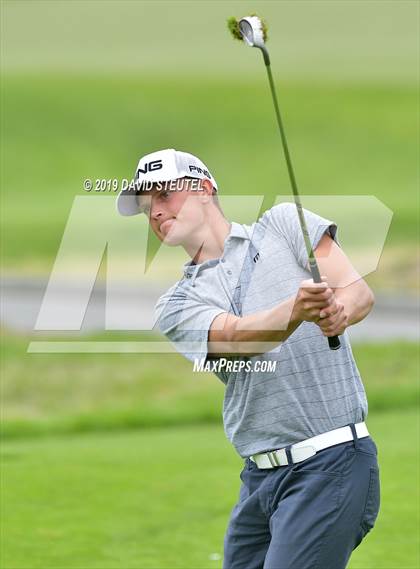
161 166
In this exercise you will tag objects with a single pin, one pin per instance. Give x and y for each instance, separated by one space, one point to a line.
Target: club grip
334 342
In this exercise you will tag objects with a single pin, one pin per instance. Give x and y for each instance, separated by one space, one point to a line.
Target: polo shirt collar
236 231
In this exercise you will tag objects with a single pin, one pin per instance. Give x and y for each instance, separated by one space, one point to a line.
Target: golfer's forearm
262 331
357 304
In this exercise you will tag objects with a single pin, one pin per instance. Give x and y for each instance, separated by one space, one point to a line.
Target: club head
252 31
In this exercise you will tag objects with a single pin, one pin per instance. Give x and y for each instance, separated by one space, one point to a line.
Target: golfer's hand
333 320
311 299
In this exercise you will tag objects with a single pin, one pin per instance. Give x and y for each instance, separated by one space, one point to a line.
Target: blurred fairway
89 87
106 486
44 393
57 131
162 499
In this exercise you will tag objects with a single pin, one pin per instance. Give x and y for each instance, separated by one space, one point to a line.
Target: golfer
246 308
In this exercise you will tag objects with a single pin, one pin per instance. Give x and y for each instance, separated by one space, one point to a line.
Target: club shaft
333 342
312 260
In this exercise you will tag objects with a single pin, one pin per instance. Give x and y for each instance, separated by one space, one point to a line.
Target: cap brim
127 203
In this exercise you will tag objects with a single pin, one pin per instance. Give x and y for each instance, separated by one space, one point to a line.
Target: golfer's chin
170 241
172 237
177 232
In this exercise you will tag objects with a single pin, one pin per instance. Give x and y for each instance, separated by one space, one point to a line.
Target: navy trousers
309 515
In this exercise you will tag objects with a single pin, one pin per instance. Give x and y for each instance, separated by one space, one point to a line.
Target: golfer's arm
357 299
254 334
349 287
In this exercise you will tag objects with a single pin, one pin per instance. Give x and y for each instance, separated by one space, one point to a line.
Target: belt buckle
298 454
272 457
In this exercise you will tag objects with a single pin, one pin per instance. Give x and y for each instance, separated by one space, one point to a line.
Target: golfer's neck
209 243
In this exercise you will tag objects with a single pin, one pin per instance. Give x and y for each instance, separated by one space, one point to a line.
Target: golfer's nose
156 212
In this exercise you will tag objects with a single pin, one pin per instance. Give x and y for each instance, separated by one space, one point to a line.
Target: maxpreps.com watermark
233 366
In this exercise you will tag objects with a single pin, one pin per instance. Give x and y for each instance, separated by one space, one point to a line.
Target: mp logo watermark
123 263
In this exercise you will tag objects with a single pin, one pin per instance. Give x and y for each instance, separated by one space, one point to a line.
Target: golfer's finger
337 327
310 284
317 294
331 310
336 332
327 323
332 320
320 304
315 288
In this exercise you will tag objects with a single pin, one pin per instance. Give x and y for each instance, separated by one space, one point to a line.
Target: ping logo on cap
150 167
199 170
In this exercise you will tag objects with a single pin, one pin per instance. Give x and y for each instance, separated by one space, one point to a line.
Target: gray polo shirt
313 389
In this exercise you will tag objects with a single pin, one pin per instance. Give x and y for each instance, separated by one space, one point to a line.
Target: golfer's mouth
166 225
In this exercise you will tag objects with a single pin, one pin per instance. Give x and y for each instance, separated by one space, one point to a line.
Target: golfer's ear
206 191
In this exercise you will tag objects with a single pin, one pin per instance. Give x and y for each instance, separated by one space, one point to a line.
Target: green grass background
89 439
61 393
77 106
113 460
346 140
161 498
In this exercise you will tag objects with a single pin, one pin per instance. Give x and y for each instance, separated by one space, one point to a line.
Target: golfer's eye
164 194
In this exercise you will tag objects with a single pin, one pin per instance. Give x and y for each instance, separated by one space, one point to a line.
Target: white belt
304 449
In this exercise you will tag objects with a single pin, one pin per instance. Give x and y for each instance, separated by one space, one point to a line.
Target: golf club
253 31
